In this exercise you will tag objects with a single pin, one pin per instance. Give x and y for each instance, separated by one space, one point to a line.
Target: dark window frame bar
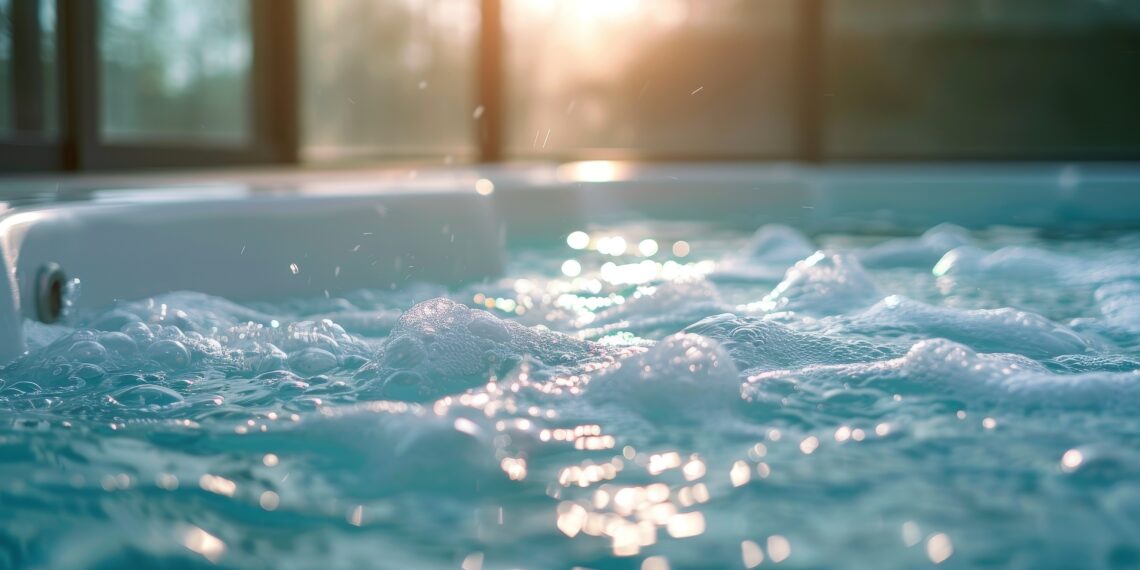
809 69
490 80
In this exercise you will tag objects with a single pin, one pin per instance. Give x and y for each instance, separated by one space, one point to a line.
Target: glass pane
660 76
1015 78
386 77
28 75
175 71
49 69
5 66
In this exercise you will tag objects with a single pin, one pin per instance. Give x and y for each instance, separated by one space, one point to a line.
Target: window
176 83
638 78
151 83
174 71
946 79
384 78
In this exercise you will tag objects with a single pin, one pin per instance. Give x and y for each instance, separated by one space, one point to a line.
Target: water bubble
87 351
304 404
147 395
86 372
486 326
114 320
290 388
273 359
169 354
404 385
312 361
275 376
403 352
138 331
354 361
118 343
21 388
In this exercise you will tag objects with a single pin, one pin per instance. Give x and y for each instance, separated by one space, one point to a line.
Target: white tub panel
255 248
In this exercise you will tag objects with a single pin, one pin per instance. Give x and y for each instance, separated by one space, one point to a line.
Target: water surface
646 396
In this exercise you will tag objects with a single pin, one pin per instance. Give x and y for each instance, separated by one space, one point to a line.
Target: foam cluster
685 377
126 360
767 254
756 343
939 367
985 330
923 251
441 347
824 283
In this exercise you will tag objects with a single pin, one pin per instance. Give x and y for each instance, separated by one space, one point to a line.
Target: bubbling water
967 399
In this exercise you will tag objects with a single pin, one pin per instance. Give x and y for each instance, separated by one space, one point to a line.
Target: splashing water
959 399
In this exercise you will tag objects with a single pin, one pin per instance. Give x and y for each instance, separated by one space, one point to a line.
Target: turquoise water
681 397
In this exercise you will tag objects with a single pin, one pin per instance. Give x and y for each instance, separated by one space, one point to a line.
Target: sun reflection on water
201 542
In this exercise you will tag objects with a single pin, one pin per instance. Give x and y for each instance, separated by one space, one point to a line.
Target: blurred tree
977 78
176 70
388 77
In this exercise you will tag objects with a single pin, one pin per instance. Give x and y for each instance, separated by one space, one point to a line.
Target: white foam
756 343
1031 263
766 256
939 366
824 283
662 308
441 347
986 330
685 377
1120 304
923 251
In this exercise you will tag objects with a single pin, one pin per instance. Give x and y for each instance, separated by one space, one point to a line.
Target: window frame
78 145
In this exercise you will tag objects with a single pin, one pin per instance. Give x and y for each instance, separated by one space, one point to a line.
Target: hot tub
271 237
597 364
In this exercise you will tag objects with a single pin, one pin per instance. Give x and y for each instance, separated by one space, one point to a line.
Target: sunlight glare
589 171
